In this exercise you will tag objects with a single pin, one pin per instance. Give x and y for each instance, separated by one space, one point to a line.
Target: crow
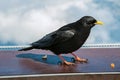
67 39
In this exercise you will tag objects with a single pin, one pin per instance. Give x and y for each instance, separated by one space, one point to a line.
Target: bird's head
89 22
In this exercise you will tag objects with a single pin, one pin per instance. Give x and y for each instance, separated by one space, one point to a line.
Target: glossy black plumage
67 39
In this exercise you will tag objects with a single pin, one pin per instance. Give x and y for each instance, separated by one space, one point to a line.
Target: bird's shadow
51 59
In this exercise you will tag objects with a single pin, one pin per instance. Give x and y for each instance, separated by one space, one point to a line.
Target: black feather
66 39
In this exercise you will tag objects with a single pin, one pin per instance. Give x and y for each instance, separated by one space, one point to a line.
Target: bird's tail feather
25 49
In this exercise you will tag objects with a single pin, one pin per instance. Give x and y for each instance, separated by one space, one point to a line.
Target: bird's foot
81 60
68 63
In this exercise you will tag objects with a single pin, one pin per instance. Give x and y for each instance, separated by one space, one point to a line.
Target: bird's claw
81 60
68 63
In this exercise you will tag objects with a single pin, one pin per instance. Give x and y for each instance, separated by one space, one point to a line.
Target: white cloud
28 27
25 24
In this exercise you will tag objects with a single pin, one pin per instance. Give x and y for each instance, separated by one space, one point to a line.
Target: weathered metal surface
99 61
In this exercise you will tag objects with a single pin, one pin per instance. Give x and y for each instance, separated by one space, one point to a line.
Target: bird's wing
54 38
46 41
63 36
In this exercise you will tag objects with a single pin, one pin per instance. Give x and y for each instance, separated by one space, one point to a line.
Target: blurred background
25 21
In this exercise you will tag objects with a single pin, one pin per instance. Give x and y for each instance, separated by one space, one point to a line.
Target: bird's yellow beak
99 23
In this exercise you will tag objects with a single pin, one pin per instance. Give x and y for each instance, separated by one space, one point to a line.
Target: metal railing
117 45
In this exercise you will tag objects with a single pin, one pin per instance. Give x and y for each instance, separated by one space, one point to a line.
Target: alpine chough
66 39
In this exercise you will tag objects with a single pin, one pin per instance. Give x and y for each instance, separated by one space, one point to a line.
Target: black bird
67 39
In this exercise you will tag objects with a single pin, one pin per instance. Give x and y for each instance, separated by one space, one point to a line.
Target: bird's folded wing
46 41
64 36
54 38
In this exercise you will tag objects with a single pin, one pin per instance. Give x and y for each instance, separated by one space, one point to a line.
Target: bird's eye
89 22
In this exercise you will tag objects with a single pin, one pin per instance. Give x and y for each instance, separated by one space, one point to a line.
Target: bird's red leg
64 61
78 58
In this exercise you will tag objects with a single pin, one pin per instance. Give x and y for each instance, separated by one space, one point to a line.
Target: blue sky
25 21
